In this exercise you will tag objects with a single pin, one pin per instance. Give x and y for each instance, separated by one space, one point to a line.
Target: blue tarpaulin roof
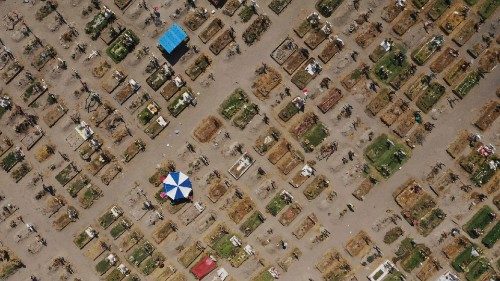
172 38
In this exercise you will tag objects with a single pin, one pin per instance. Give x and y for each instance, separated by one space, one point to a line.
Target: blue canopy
177 186
172 38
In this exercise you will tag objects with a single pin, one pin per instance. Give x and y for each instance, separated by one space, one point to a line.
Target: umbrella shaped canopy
177 186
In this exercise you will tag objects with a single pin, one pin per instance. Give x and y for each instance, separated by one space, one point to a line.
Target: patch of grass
492 236
246 13
430 97
479 221
103 266
327 7
314 136
224 247
245 116
471 80
464 259
276 204
488 8
251 224
232 104
392 235
477 269
484 173
141 253
122 46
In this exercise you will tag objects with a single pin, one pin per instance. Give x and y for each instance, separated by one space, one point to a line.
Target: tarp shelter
203 267
177 186
172 38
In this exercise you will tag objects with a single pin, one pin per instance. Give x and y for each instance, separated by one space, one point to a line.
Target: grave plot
478 48
364 188
252 223
246 13
101 113
380 101
488 60
227 246
265 81
67 174
406 20
54 113
191 213
284 50
99 161
5 145
333 266
327 7
291 109
386 155
464 33
277 152
367 35
122 46
455 247
405 124
110 173
280 201
231 7
253 33
394 68
383 48
332 47
485 171
306 74
350 80
171 88
33 135
120 227
418 87
216 190
245 116
159 77
311 21
329 100
289 259
419 3
290 161
290 214
183 99
99 23
277 6
445 59
438 8
417 136
391 11
221 42
34 91
84 237
469 81
100 68
45 10
162 231
126 91
112 31
10 71
397 109
487 8
305 226
196 18
20 171
454 19
393 234
199 66
113 79
315 188
411 254
133 149
427 49
456 72
162 169
430 97
489 113
240 209
191 253
213 27
89 147
42 56
233 103
295 60
359 245
317 36
207 129
110 216
140 253
492 236
88 196
267 140
430 267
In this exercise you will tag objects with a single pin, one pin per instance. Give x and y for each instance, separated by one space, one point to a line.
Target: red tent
203 267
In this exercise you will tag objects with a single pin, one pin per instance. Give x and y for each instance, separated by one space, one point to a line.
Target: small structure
204 267
177 186
172 38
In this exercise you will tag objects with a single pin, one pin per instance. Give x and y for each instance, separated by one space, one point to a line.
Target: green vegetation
430 221
392 235
246 13
103 266
277 6
492 236
488 8
256 29
476 225
119 229
477 269
224 247
430 97
251 224
469 81
98 24
246 115
122 46
288 111
438 8
82 239
107 219
423 53
314 136
391 65
485 172
67 174
115 275
420 3
198 67
91 194
145 116
149 265
277 204
327 7
387 155
141 253
232 104
21 171
464 259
